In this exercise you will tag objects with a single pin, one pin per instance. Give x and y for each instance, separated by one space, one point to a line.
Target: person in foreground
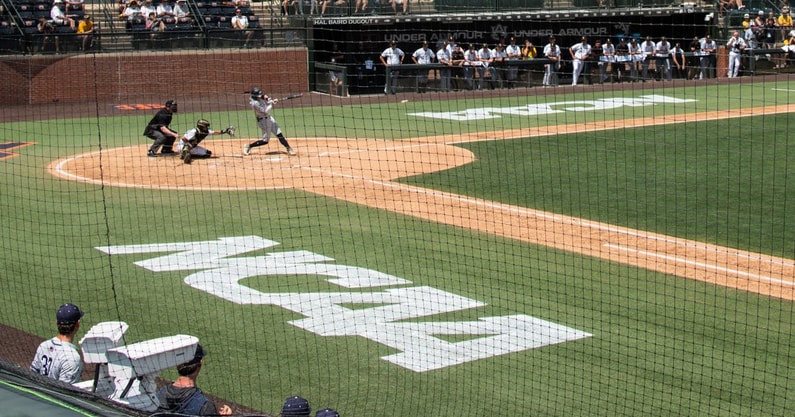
57 358
184 397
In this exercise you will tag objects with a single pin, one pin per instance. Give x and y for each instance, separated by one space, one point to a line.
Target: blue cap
327 412
296 407
68 314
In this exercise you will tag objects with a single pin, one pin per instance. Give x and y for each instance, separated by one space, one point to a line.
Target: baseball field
590 251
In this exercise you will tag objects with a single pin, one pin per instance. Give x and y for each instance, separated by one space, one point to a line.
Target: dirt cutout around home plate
363 172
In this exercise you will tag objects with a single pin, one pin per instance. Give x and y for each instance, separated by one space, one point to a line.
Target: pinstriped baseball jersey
58 360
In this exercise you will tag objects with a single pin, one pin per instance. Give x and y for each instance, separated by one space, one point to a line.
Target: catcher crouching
188 146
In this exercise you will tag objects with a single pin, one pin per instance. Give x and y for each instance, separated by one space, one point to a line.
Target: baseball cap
761 13
200 353
296 407
746 16
327 412
68 314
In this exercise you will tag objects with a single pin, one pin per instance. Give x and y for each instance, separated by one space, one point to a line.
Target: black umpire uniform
154 130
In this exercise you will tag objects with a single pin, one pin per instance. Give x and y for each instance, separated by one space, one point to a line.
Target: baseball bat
292 96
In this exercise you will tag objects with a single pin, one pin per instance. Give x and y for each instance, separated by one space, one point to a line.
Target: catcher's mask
203 125
257 93
172 105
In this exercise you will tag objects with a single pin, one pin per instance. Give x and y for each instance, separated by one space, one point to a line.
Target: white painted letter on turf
387 322
550 108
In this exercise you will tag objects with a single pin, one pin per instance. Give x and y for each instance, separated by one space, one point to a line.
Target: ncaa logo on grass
392 303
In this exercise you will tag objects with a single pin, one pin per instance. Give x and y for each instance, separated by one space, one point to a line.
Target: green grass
661 345
699 181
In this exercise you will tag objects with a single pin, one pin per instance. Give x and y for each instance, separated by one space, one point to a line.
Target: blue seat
26 10
253 22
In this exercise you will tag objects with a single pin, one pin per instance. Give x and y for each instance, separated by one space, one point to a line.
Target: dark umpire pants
167 142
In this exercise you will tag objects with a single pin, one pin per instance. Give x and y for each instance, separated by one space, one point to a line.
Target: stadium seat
77 10
6 28
170 23
137 25
253 22
224 22
26 10
184 23
29 27
41 10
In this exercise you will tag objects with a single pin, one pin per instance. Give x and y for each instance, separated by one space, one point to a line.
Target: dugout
362 39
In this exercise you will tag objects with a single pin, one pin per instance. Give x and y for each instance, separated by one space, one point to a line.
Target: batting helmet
296 407
172 104
256 93
203 125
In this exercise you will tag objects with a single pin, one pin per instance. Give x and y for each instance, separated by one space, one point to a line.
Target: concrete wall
108 77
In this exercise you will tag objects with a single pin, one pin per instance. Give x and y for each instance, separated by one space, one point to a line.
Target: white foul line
700 264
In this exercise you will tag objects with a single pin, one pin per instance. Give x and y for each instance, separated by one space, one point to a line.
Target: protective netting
620 248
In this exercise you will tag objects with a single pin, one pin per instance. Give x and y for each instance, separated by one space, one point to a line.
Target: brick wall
109 77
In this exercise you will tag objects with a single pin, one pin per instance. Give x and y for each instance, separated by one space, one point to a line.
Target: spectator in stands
708 59
552 52
181 9
183 396
445 58
759 20
131 12
404 4
240 23
361 5
579 52
86 31
325 4
746 21
164 10
47 30
784 22
58 17
423 56
662 55
154 25
730 4
296 407
769 28
693 61
514 53
57 358
647 51
147 7
391 58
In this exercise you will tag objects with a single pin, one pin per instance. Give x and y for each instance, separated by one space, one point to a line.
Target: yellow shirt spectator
85 25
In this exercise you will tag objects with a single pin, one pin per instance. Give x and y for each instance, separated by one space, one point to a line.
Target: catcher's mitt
229 131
